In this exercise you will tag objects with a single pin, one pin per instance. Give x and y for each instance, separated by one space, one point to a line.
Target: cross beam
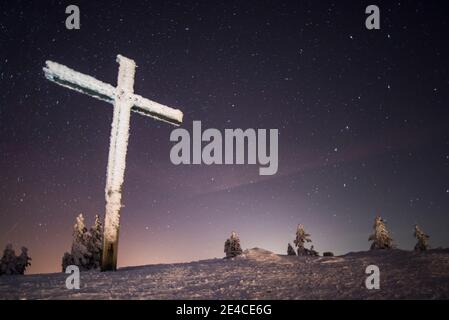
124 100
80 82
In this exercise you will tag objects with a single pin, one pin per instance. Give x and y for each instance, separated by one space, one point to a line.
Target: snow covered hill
257 274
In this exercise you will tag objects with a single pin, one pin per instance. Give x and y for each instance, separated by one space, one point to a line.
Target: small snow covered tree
95 243
12 264
67 260
8 261
301 238
86 245
80 253
290 250
422 244
232 246
23 261
381 236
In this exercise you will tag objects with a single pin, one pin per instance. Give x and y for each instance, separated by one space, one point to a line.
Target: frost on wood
124 101
381 236
74 80
117 150
80 82
232 246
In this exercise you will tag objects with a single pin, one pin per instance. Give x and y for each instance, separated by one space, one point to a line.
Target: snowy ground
258 274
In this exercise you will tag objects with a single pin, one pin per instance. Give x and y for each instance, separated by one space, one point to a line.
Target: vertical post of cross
124 101
117 161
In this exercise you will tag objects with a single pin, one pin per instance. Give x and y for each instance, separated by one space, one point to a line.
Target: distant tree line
87 246
381 240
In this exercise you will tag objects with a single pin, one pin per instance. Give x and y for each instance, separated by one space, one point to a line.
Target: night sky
362 118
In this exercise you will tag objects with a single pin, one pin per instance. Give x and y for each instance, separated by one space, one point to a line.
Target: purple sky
362 117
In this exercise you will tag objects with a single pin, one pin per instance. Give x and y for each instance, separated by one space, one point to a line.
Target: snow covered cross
124 101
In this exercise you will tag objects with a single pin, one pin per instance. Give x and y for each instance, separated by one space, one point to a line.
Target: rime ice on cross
124 101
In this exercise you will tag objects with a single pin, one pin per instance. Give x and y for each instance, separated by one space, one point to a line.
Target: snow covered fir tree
23 261
302 237
422 244
95 245
232 246
381 236
10 264
86 245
